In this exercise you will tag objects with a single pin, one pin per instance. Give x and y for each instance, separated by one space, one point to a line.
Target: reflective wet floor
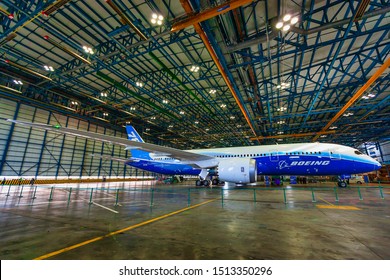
145 220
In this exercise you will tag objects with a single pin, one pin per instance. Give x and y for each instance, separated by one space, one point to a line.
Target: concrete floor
153 221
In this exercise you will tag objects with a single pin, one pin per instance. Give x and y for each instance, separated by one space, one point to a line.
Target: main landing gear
206 183
342 184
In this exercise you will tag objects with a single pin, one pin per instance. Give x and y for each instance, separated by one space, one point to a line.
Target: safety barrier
183 194
23 181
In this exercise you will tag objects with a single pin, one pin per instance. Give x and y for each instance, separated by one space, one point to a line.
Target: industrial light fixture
157 19
132 108
165 101
207 129
105 114
147 129
281 109
232 117
239 125
348 114
223 105
18 82
75 103
281 122
139 84
280 132
333 127
194 68
49 68
88 50
182 113
196 122
286 22
213 91
170 126
283 85
370 95
27 70
103 94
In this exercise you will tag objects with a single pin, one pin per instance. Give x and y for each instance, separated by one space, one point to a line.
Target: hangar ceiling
211 74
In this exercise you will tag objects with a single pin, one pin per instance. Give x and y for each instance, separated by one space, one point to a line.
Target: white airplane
239 165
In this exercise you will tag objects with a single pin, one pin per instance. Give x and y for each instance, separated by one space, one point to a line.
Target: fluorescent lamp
279 25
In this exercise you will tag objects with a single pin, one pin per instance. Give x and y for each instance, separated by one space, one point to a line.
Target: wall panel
29 152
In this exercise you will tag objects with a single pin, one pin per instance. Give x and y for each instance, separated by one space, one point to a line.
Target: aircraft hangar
190 75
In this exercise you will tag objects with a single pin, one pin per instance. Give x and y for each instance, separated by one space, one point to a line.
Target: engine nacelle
238 170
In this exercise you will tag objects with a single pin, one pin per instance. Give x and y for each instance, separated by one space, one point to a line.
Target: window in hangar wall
28 152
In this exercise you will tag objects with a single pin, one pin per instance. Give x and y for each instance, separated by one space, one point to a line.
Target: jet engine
238 170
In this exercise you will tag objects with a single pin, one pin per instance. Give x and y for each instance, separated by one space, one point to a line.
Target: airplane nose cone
377 165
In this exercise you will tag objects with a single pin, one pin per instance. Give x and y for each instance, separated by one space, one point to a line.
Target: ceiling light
18 82
88 50
223 106
213 91
232 117
48 68
287 17
165 101
333 127
132 108
157 19
181 112
196 122
279 25
294 20
103 94
139 84
194 68
286 27
153 118
170 126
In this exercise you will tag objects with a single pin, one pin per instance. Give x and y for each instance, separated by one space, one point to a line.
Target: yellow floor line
327 202
46 256
338 207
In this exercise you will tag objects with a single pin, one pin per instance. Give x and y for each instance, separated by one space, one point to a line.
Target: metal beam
187 7
297 135
207 14
357 95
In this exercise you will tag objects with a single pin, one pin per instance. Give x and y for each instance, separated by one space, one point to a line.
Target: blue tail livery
132 134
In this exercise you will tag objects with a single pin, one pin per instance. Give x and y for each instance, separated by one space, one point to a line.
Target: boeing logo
133 137
284 164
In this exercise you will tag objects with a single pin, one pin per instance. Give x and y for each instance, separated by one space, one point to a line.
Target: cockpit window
358 152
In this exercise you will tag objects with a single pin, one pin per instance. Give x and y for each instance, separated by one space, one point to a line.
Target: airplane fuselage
287 159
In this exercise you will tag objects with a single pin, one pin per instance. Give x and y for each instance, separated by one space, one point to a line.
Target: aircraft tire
215 182
199 183
342 184
206 183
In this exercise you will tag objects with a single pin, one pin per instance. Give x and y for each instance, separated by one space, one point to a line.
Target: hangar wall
27 152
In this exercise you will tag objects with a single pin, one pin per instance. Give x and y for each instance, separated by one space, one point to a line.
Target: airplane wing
198 160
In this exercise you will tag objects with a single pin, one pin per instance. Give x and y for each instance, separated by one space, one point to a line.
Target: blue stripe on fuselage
267 165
